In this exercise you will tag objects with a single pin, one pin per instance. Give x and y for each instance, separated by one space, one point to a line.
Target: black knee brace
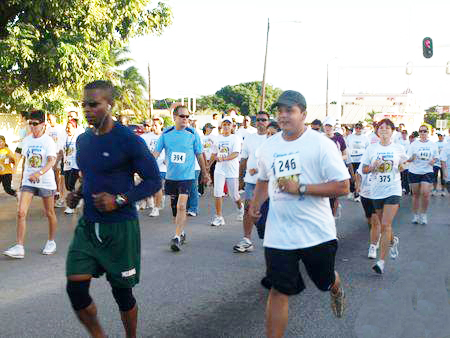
79 294
173 204
124 298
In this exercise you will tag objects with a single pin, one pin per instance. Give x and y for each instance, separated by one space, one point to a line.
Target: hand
206 179
72 199
253 171
253 211
34 178
241 184
287 185
376 164
104 202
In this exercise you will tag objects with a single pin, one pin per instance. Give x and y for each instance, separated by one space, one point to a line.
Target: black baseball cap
290 98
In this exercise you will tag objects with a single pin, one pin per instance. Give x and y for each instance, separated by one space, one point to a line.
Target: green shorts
111 248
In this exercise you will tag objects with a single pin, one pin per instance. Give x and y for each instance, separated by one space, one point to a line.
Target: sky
366 45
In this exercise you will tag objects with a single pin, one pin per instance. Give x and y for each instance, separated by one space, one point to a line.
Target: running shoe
357 199
218 221
240 215
16 251
154 212
182 238
192 213
443 193
415 219
338 302
59 203
350 196
433 192
378 268
49 248
69 211
175 244
372 251
393 251
423 219
244 245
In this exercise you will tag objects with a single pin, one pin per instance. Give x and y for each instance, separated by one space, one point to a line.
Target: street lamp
263 89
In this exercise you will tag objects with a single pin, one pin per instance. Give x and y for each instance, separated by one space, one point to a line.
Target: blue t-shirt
108 163
181 147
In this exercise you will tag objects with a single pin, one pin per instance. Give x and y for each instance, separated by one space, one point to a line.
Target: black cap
290 98
316 122
37 115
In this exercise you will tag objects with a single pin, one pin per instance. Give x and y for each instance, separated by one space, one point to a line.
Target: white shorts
232 184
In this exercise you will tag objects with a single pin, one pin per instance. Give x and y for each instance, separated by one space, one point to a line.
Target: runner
38 179
182 145
422 153
299 169
316 125
24 131
7 161
445 162
70 168
357 144
246 129
383 161
249 167
107 237
226 152
56 132
437 169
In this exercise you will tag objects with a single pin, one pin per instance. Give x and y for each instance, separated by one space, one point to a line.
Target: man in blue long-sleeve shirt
107 237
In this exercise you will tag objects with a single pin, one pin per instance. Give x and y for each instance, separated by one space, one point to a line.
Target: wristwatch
121 200
301 189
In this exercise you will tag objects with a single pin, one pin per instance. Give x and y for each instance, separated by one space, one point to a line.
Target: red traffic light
427 45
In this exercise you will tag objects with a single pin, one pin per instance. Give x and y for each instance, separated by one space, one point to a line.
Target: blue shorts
417 178
248 191
380 203
41 192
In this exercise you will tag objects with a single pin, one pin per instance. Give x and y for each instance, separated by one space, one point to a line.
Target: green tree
49 47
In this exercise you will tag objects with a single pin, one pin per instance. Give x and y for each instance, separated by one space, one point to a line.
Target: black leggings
6 180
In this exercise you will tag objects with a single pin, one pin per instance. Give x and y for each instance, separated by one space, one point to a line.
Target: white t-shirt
150 140
386 180
295 222
251 143
244 132
440 146
425 152
357 145
69 147
36 151
208 145
365 189
445 156
57 134
223 147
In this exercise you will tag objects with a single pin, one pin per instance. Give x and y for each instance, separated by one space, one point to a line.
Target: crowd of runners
283 175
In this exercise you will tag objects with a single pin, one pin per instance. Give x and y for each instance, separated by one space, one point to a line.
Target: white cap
330 121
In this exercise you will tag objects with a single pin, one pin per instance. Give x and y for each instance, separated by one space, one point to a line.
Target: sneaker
244 245
218 221
154 212
338 302
423 219
16 251
175 244
50 248
357 199
192 213
378 268
240 215
59 203
393 251
372 251
415 219
182 238
350 196
443 193
433 192
69 211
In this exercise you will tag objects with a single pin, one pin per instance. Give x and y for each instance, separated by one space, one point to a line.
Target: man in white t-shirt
227 148
246 128
299 170
56 132
249 168
38 179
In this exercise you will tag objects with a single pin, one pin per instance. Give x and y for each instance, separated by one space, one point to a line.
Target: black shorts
175 188
283 270
367 206
70 178
417 178
380 203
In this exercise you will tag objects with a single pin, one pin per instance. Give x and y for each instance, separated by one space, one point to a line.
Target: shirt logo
129 273
105 154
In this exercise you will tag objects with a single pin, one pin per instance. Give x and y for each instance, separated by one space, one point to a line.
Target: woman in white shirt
383 161
422 153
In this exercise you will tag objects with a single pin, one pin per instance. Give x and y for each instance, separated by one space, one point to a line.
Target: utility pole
150 102
326 109
263 89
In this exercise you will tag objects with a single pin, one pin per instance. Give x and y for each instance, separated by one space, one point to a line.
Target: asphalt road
206 290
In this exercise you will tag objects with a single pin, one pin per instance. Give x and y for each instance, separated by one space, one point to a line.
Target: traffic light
427 47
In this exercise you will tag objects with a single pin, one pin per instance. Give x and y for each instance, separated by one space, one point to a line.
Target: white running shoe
192 213
423 219
245 245
357 199
372 251
443 193
415 219
393 251
69 211
350 196
433 192
378 267
154 212
50 248
218 221
59 203
16 251
240 215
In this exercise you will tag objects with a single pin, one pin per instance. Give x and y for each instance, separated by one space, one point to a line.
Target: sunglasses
423 131
92 104
183 116
34 123
261 120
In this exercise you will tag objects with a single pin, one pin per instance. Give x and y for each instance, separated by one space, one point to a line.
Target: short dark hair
177 108
107 86
261 112
388 122
24 114
317 122
37 115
